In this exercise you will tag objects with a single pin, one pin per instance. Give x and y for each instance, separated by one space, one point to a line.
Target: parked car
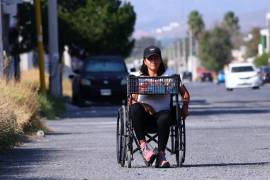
186 76
134 71
242 75
220 77
100 79
265 74
206 76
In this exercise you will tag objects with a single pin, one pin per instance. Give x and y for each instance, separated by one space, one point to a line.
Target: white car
242 75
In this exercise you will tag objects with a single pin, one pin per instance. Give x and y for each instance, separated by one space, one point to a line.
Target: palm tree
196 27
195 23
230 22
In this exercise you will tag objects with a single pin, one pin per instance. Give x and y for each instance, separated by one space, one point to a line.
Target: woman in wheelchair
147 110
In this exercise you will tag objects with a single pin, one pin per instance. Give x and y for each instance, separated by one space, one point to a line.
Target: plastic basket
153 85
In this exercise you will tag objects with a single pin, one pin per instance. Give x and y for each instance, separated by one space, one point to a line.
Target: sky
168 18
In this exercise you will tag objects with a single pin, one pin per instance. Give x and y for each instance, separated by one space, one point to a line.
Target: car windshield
99 65
242 69
186 74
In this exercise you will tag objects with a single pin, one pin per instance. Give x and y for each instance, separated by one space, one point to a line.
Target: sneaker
148 154
161 161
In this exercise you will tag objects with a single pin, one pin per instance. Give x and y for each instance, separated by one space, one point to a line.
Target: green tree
252 44
262 60
215 48
100 27
231 24
196 27
88 27
196 24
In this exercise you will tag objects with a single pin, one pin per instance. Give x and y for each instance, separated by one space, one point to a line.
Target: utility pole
190 43
1 44
54 62
40 46
178 55
268 27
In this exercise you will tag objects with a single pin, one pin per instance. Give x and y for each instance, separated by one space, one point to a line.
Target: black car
187 75
206 76
100 79
265 74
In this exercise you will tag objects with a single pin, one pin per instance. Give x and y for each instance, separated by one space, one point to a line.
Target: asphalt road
228 137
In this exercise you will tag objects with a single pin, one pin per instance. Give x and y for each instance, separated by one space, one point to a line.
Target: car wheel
256 87
76 98
78 101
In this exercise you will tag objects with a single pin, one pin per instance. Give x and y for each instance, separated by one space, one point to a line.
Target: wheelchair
125 135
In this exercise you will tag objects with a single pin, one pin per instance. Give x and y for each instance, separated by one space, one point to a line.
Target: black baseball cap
151 50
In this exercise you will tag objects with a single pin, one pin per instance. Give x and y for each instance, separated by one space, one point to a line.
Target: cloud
166 28
158 30
138 34
174 24
173 29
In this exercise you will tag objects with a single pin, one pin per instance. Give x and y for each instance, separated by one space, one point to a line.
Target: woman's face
153 63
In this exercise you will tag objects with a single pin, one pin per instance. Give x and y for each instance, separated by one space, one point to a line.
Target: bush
51 107
262 60
20 112
8 129
22 108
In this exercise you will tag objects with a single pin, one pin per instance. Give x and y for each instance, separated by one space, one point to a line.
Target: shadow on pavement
208 165
213 111
199 102
91 111
17 163
198 107
227 164
229 107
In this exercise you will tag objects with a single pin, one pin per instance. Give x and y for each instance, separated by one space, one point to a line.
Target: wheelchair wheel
121 145
118 138
129 158
129 139
180 142
183 141
172 137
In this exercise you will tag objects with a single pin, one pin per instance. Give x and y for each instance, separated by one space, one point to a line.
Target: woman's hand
133 99
148 108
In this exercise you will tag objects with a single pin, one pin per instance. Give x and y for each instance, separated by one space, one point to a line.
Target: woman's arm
185 98
184 94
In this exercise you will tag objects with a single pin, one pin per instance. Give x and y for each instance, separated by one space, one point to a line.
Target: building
238 55
177 55
264 45
268 26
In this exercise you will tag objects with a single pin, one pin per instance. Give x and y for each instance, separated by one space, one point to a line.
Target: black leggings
141 120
